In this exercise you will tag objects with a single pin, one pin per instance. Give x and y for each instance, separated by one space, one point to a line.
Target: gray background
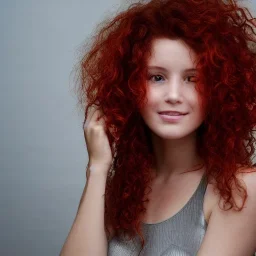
43 153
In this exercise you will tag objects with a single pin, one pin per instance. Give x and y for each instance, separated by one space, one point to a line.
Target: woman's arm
87 236
232 233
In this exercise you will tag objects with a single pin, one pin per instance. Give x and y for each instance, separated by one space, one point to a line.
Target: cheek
201 108
153 100
150 107
195 101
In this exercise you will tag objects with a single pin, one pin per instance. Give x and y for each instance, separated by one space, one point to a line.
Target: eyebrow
164 69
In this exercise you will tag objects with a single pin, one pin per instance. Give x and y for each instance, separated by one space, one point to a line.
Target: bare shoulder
247 174
246 177
212 197
223 236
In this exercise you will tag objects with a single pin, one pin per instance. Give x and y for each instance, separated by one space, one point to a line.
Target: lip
172 113
171 118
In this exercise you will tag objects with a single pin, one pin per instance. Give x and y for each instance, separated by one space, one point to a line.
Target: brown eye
194 79
151 76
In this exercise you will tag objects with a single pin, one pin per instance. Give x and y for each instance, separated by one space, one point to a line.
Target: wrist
97 169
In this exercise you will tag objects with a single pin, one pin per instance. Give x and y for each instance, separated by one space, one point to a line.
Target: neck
175 156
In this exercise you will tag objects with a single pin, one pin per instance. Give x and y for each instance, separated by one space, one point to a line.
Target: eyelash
150 76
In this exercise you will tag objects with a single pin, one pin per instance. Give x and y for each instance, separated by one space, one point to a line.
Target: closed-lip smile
169 112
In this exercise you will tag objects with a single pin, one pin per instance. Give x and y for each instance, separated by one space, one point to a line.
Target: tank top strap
203 185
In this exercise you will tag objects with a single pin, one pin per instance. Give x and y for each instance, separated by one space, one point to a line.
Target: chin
171 135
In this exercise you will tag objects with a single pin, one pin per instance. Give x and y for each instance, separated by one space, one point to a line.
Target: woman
171 139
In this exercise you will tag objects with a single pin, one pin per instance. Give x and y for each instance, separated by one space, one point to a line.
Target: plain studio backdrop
43 152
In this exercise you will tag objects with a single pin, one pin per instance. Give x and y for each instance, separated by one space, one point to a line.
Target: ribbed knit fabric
180 235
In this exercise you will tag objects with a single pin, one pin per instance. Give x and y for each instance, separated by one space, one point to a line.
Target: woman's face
171 87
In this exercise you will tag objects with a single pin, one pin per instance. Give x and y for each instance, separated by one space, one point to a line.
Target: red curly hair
113 73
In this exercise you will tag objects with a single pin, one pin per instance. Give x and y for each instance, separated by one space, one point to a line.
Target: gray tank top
180 235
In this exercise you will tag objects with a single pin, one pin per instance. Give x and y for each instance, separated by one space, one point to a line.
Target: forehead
174 54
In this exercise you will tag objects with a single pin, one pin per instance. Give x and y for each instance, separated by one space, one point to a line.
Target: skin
174 145
172 88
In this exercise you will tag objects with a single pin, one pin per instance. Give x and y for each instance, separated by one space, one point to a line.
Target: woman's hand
98 147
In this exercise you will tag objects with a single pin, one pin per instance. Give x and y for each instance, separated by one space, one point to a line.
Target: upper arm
233 233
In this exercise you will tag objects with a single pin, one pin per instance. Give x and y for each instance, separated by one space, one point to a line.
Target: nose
173 91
